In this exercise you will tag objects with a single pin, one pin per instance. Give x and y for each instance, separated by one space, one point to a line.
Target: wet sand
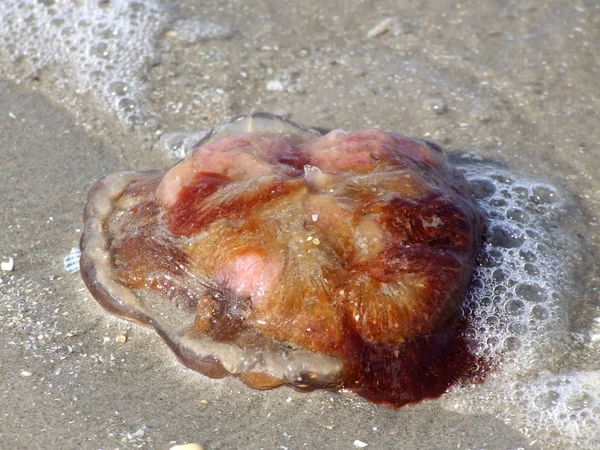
515 83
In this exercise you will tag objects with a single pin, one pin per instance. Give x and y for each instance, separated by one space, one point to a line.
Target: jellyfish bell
284 255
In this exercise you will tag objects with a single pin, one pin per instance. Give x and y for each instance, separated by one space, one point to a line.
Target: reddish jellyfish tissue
286 256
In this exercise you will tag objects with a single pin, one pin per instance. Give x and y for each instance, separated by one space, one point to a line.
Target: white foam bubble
179 143
104 48
520 303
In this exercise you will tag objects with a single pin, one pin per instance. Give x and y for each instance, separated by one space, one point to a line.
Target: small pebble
274 85
192 446
360 444
24 373
7 265
121 338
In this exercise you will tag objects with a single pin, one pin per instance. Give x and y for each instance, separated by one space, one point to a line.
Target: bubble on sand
520 314
180 143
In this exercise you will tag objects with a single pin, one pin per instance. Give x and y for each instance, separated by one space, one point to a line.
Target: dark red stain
422 368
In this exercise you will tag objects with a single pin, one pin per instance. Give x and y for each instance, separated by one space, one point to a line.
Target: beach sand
516 83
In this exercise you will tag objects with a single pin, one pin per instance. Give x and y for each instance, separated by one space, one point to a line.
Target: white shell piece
72 260
7 265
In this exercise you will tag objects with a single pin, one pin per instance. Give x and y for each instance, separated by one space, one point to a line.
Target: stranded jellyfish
283 255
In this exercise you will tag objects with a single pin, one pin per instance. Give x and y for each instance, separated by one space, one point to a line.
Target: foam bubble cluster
517 296
520 315
106 48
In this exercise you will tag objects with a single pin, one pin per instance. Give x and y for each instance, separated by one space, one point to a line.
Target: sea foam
523 294
89 48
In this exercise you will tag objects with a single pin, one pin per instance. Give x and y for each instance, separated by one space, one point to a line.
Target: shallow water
512 82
